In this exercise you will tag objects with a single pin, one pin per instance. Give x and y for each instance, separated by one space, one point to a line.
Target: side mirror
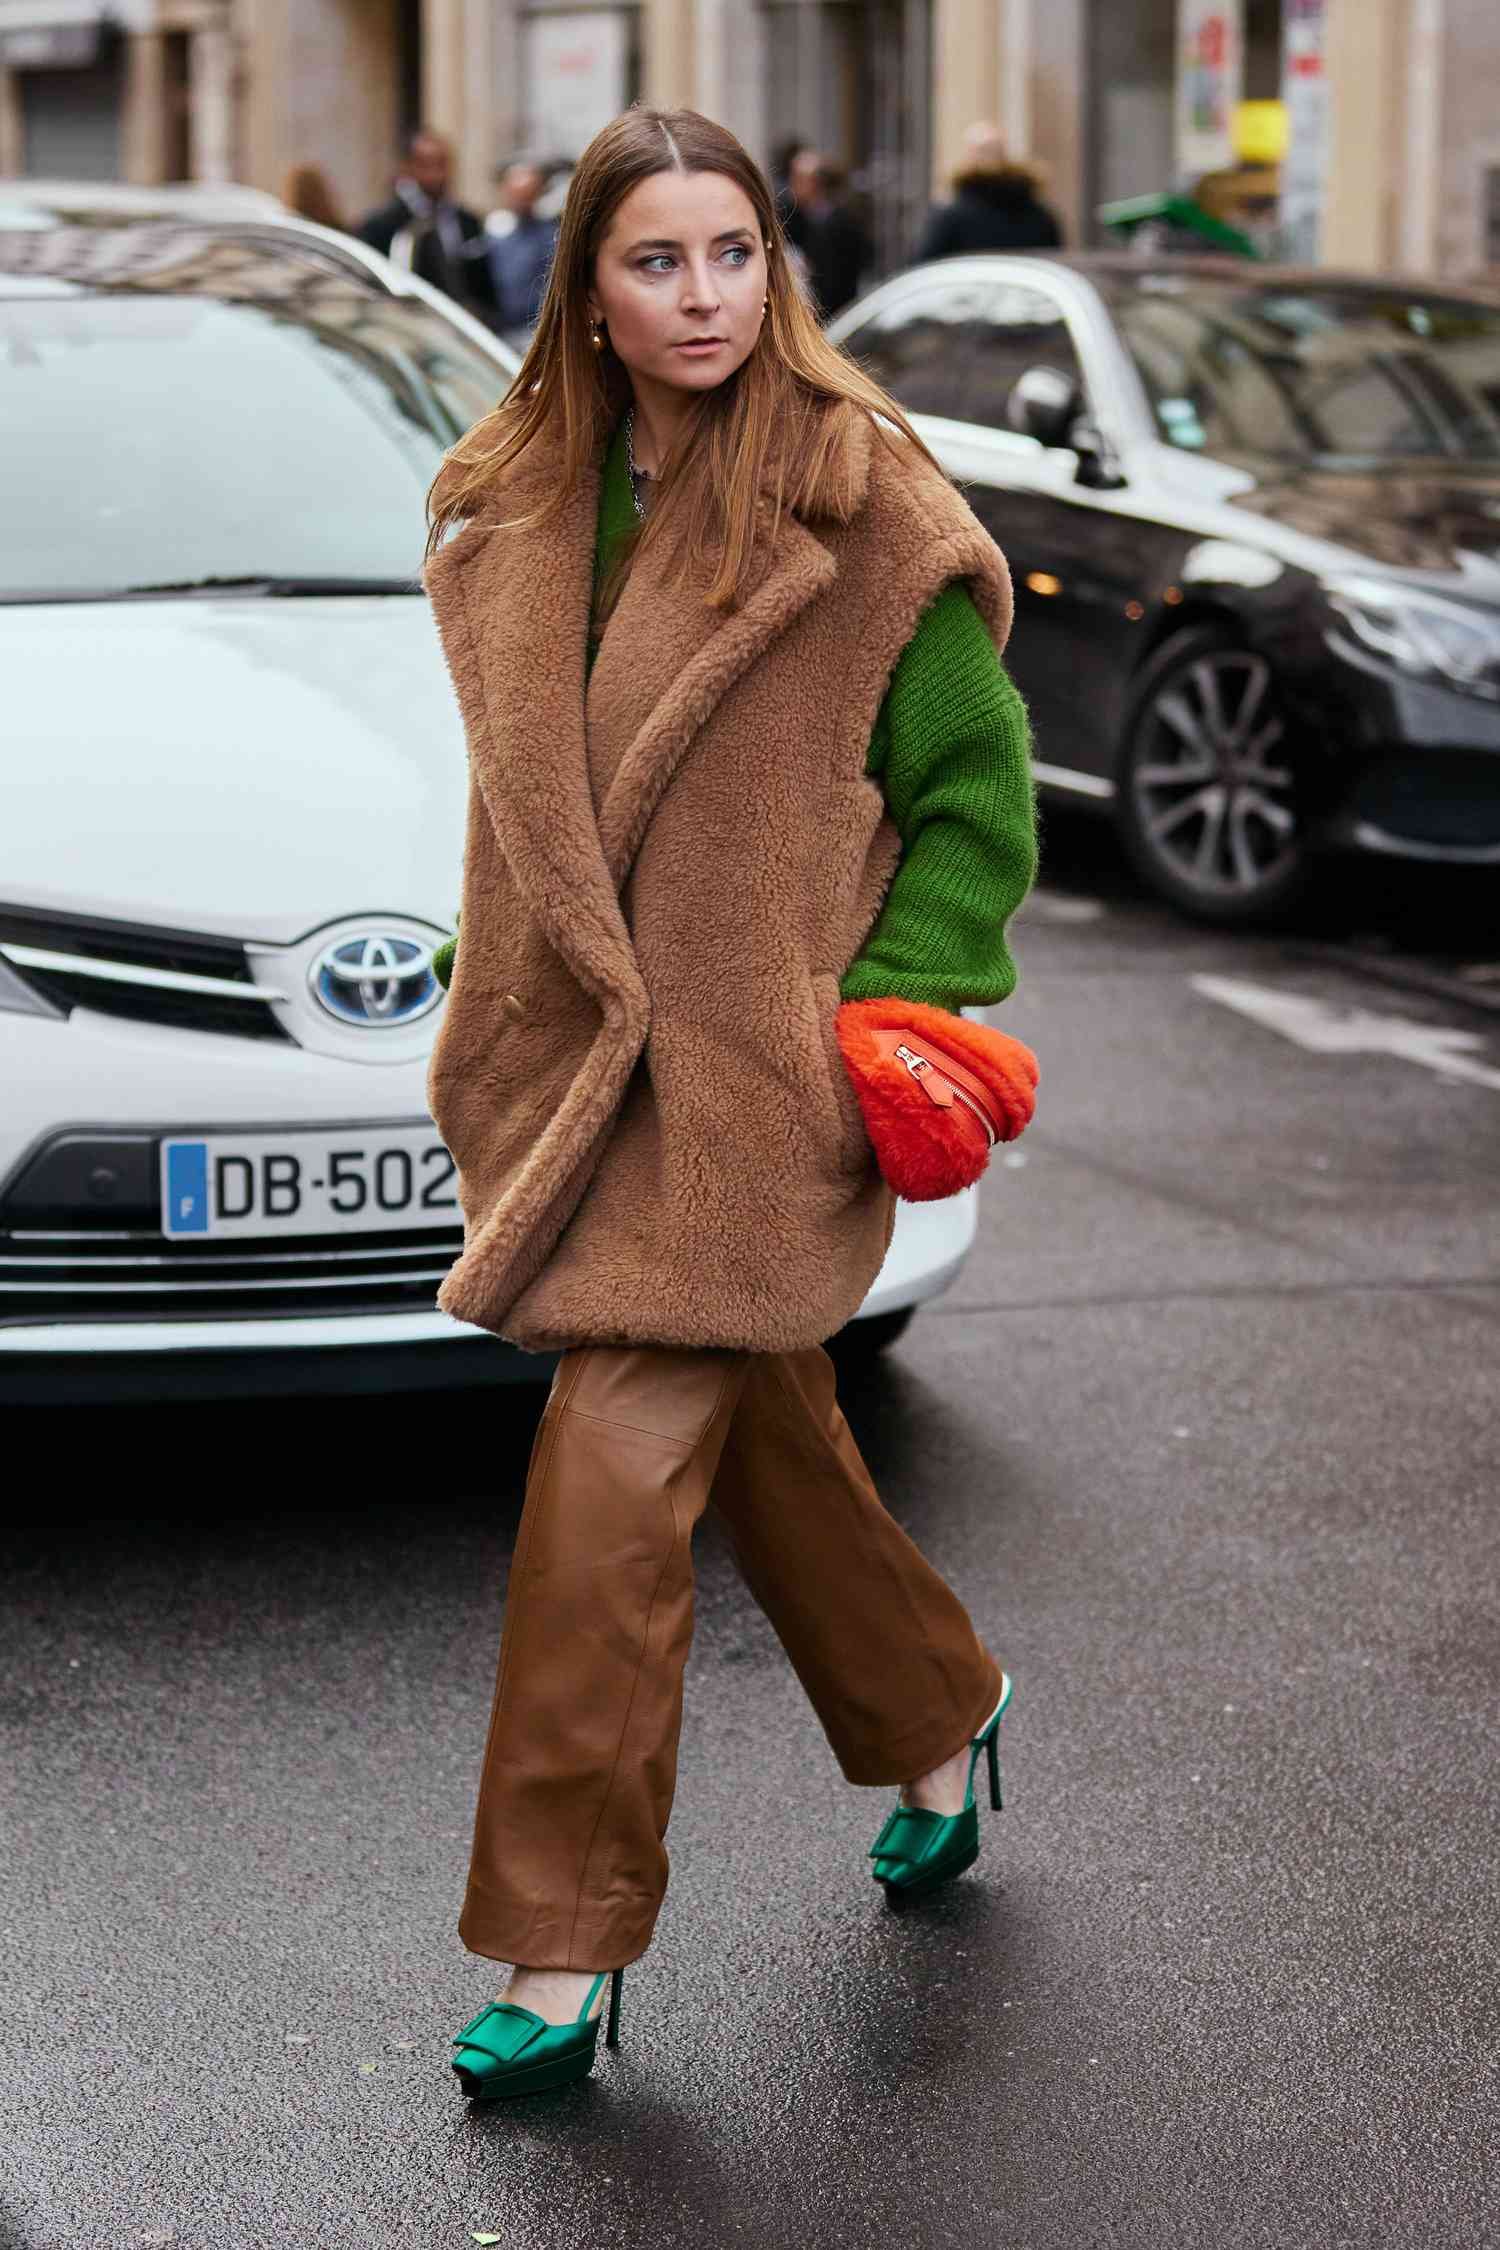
1044 404
1097 465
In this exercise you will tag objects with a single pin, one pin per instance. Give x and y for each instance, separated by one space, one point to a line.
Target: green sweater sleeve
951 750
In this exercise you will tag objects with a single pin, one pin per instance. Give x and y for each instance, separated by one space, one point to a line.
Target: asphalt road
1208 1437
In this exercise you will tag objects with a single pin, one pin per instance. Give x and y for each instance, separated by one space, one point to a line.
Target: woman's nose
699 290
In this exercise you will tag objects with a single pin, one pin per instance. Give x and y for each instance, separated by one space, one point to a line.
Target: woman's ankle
556 1995
941 1790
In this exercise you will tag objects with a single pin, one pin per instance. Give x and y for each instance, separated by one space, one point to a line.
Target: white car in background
234 788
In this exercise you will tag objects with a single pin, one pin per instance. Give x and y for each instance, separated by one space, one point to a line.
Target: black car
1253 519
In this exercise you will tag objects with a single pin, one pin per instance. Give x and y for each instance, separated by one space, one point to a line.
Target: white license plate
356 1181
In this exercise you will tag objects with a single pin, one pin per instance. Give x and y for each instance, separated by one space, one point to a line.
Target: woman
704 726
307 191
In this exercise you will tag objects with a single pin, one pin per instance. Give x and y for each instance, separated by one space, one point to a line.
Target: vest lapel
512 607
666 662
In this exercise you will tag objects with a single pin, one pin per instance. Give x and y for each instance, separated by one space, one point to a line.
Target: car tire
1207 797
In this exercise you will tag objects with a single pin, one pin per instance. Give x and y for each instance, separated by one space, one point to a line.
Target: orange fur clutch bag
936 1091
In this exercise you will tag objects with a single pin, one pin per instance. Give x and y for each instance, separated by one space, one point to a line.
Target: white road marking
1326 1030
1054 906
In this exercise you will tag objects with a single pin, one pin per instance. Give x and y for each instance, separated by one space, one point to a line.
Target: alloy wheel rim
1211 803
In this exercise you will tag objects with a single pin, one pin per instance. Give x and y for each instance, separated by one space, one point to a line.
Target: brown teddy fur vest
664 879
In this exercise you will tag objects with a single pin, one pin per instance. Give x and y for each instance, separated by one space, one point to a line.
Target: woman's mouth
698 346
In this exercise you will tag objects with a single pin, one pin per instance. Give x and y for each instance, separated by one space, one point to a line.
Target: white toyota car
234 792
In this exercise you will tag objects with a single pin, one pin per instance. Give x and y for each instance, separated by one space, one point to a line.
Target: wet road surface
1208 1438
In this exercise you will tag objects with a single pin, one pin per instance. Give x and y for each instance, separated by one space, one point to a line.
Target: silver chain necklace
633 471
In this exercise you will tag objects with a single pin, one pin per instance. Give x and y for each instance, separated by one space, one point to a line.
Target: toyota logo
375 978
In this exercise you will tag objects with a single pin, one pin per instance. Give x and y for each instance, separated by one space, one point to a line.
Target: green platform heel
508 2049
916 1850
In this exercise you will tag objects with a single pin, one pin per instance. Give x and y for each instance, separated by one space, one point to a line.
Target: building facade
1396 103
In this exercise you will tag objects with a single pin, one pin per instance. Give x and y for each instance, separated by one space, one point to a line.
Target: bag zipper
931 1079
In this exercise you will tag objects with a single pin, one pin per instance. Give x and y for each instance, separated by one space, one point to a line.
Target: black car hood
1414 520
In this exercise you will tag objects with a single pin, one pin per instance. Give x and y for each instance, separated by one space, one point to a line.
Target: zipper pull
937 1089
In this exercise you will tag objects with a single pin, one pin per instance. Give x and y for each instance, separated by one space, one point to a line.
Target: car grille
135 1273
174 977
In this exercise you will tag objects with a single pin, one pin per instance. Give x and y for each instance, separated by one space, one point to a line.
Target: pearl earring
595 338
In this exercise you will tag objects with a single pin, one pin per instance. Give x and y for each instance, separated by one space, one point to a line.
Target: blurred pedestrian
995 204
519 244
425 230
673 1068
782 157
307 191
822 227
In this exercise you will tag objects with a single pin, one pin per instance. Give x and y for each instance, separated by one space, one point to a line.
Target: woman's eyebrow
665 242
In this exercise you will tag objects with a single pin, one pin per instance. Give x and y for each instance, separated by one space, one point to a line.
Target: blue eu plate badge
185 1202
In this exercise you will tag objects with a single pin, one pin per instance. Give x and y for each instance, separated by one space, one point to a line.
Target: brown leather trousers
569 1867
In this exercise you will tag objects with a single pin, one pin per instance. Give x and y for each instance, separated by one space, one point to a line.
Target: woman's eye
738 251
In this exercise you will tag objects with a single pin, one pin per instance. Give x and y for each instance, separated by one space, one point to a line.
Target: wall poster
1304 89
1210 80
576 64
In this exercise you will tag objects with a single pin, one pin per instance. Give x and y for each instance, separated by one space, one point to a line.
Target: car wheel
1207 790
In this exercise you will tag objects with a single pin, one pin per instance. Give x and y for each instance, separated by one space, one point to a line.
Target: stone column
12 135
669 58
211 110
1422 144
1365 63
143 124
261 38
729 49
443 67
965 78
459 44
1058 66
1014 63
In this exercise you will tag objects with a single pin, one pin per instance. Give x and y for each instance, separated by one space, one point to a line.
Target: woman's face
680 280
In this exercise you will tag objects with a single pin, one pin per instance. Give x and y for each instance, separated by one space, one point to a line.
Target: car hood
1419 522
246 767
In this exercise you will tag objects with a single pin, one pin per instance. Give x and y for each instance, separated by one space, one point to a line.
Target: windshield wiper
280 588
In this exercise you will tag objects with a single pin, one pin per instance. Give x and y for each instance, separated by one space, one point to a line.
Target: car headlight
1419 634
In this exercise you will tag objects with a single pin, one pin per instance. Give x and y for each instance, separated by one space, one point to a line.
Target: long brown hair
306 191
782 424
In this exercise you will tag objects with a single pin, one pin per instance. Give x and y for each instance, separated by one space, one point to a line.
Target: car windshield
1313 373
170 441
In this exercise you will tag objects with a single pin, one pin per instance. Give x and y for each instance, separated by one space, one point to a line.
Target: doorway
854 79
70 118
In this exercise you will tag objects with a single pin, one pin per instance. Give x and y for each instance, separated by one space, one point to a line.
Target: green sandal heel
916 1850
507 2049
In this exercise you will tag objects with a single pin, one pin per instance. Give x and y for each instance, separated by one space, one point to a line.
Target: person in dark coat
519 245
425 230
995 204
834 246
783 156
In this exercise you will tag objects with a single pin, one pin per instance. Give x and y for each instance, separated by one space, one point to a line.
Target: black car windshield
1315 373
152 441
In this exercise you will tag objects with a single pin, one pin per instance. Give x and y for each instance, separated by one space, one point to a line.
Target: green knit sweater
951 751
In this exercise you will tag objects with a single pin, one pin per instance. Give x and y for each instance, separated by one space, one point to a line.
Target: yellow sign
1259 130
